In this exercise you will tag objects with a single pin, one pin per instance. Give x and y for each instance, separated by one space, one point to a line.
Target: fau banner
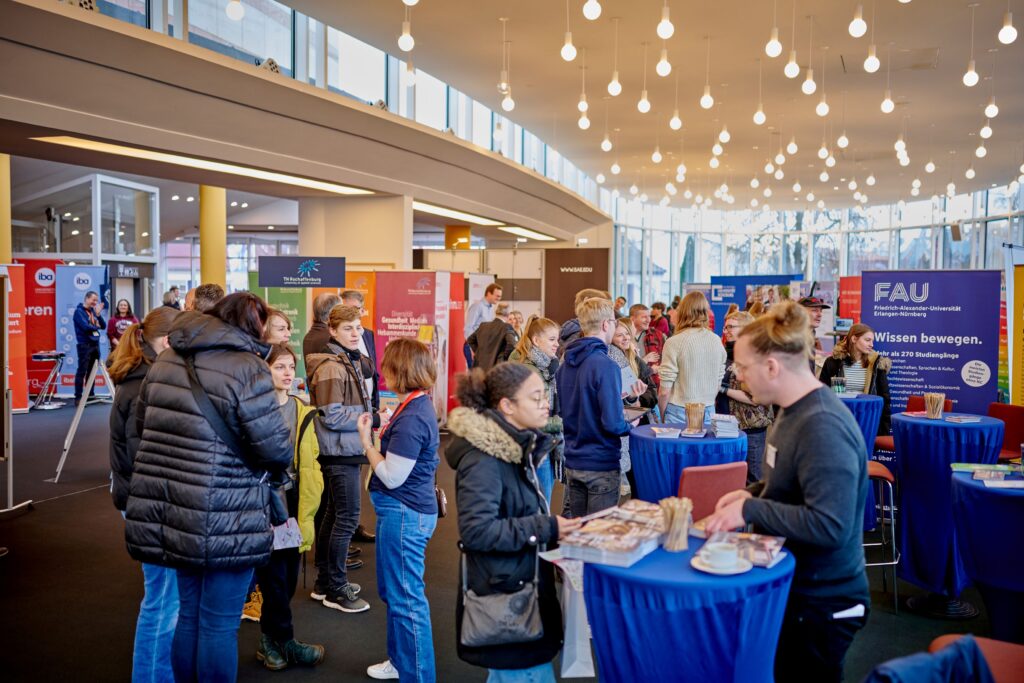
941 330
301 271
72 284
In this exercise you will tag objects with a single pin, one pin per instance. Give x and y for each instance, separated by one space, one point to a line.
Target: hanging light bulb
663 67
675 123
792 69
614 87
600 178
714 162
568 51
582 105
633 189
606 144
796 186
769 167
779 174
670 188
951 188
821 204
753 202
644 104
591 10
759 117
1007 34
616 169
842 142
969 173
823 151
681 169
870 180
810 196
792 148
858 27
991 109
706 100
971 76
823 176
986 130
852 184
871 62
809 86
716 149
405 41
755 183
688 193
830 161
724 136
904 161
780 158
888 105
584 121
822 108
411 3
900 145
235 10
656 155
767 192
916 183
507 103
665 29
773 48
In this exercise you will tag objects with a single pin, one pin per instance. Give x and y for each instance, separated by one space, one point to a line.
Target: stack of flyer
725 426
618 536
761 550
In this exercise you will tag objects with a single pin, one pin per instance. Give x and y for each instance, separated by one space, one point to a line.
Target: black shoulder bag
278 504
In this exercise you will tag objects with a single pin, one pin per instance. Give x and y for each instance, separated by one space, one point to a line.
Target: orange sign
17 356
362 282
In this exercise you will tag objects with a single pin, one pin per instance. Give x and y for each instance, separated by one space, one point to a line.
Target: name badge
769 455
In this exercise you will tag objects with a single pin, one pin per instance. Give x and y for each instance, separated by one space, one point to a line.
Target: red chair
914 404
882 476
1013 431
1005 660
704 485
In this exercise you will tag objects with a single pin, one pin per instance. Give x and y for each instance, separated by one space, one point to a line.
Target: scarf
541 360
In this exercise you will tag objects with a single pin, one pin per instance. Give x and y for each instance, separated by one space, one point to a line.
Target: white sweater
692 365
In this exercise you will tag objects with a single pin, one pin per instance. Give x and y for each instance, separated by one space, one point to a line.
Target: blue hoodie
590 391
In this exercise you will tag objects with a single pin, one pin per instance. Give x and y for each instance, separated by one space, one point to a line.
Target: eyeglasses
541 400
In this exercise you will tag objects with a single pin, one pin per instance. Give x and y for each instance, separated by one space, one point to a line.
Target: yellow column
5 208
457 236
143 224
213 235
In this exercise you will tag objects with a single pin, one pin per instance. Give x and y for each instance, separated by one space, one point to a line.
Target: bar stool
882 476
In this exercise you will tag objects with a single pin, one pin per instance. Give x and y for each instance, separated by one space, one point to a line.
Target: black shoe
363 536
346 600
354 551
353 564
306 654
271 654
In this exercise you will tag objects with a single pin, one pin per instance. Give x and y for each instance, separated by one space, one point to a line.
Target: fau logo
918 293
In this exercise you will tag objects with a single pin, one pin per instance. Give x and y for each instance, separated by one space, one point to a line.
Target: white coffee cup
719 555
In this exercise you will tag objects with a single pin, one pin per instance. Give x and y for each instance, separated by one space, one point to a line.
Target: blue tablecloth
867 411
925 448
658 463
988 523
662 620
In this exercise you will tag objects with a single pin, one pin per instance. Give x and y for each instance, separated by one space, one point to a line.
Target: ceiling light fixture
656 154
792 69
675 123
616 169
888 105
591 10
606 143
971 75
663 67
507 103
405 41
822 109
809 86
858 27
706 100
235 10
600 178
714 162
724 136
582 105
792 148
759 117
665 29
773 48
614 86
435 210
568 49
1007 34
717 149
986 130
527 233
796 186
969 173
980 152
644 104
411 3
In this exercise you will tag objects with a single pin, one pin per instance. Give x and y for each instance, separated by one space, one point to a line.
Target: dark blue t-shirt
413 434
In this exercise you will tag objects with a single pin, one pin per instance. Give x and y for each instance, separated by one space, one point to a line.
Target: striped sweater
692 365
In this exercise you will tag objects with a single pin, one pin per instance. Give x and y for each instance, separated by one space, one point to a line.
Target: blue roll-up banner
72 284
301 271
941 330
733 289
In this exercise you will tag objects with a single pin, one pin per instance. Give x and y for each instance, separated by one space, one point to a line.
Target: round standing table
867 410
658 463
662 620
925 449
987 522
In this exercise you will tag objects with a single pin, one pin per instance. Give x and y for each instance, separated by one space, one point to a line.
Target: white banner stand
100 367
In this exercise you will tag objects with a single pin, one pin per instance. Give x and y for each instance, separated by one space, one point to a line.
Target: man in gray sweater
813 492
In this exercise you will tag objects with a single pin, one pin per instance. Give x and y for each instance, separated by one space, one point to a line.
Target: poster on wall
292 302
849 298
17 356
738 289
456 325
1013 256
941 330
40 303
73 282
1017 344
567 271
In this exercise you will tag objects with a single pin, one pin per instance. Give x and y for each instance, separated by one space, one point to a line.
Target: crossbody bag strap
298 441
209 411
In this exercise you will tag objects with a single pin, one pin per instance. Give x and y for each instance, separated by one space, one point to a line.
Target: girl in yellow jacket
278 578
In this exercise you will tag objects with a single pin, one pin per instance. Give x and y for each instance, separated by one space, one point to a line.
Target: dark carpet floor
69 592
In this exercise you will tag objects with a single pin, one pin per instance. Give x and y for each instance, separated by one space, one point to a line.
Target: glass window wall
264 32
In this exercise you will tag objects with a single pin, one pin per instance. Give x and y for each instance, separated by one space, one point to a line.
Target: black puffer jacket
194 503
503 521
124 435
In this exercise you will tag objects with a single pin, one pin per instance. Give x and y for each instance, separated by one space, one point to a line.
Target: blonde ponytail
785 329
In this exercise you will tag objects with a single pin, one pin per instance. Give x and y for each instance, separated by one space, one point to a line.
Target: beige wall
370 232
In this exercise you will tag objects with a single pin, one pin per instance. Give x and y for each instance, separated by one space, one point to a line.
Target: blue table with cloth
925 449
867 411
988 523
658 463
662 620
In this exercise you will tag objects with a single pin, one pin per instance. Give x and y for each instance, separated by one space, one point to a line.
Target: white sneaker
383 671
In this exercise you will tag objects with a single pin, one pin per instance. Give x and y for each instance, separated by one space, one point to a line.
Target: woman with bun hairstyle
158 614
504 520
865 370
538 350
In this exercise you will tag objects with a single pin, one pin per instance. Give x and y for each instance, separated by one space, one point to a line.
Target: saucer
743 565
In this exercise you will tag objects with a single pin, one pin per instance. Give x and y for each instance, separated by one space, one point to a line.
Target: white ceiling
460 41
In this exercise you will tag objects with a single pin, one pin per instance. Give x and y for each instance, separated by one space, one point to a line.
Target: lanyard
408 399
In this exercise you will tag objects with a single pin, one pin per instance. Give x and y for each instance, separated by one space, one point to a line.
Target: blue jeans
546 477
154 631
206 639
402 535
542 673
677 414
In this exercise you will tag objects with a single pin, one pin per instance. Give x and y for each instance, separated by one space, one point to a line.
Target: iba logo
83 281
45 277
308 267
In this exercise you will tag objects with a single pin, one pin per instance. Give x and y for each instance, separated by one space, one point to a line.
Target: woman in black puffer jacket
503 518
195 504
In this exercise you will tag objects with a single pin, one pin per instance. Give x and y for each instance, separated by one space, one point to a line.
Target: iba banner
72 284
941 330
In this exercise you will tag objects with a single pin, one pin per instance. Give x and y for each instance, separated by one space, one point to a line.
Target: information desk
662 620
987 537
658 463
924 450
867 411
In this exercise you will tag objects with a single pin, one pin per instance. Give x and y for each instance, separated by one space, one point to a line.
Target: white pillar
370 232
